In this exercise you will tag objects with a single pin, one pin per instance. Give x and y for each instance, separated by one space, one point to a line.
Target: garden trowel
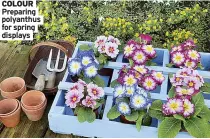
42 74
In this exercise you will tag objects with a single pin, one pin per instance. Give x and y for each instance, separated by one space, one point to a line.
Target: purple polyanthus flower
124 108
173 106
74 66
138 101
177 58
149 83
139 57
189 108
91 70
146 38
72 98
149 51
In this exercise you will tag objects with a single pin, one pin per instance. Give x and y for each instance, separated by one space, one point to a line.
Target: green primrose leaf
205 113
113 113
114 83
133 116
157 105
84 47
139 120
169 65
198 101
171 92
99 81
179 117
81 115
156 114
169 128
196 127
90 115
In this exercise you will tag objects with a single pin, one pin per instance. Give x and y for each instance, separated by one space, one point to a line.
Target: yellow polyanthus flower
131 28
155 21
149 15
186 36
123 20
154 27
195 40
195 19
124 31
167 33
161 20
46 25
129 23
177 11
123 26
114 19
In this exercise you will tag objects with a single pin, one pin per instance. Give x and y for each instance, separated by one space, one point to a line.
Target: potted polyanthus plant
106 48
140 51
85 66
185 109
130 104
85 100
184 55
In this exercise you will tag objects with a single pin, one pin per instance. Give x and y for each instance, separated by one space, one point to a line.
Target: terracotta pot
35 115
123 120
33 100
10 113
13 87
8 106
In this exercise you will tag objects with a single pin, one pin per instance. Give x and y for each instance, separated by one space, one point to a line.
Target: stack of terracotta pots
13 87
10 112
33 104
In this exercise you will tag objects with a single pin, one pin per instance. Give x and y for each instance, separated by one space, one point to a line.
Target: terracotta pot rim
33 107
33 110
10 79
12 112
8 95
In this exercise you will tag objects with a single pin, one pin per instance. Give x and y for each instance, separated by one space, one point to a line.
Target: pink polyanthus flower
129 50
190 64
189 108
139 57
111 49
173 106
82 82
158 76
101 40
149 83
94 91
89 102
113 40
183 91
72 98
189 43
146 38
178 58
77 87
176 80
131 42
149 50
193 55
192 82
184 72
101 49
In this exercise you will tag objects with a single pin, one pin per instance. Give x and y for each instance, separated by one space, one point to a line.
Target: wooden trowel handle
40 83
51 80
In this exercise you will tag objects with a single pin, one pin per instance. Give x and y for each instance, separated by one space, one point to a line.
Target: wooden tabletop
13 62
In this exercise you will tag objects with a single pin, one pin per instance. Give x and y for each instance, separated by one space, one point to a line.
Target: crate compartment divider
59 122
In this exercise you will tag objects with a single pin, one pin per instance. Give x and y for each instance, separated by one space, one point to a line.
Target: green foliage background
169 23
